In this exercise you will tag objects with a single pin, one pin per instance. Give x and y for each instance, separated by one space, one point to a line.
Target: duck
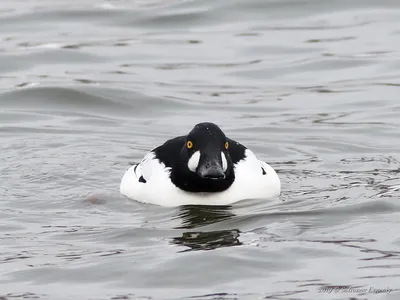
203 167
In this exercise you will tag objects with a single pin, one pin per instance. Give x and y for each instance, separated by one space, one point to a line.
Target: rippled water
87 87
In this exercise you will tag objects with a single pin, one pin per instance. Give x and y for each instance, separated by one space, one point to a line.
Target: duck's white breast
249 183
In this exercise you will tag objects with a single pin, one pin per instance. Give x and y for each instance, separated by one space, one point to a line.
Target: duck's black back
168 153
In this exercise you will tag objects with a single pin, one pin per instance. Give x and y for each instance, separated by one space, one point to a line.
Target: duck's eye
189 144
226 145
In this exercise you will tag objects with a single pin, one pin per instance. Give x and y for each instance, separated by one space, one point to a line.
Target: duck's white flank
249 183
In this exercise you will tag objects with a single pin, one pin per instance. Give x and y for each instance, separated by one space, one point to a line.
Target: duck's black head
204 163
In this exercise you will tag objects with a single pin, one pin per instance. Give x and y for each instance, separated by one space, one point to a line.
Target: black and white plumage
204 167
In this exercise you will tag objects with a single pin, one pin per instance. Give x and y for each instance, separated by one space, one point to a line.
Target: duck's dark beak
211 169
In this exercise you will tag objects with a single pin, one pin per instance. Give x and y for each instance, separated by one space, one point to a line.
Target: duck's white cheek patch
224 162
194 161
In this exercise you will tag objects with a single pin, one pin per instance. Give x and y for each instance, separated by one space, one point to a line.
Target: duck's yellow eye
226 145
189 144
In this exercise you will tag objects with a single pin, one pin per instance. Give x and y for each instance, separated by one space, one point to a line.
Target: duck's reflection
200 215
197 216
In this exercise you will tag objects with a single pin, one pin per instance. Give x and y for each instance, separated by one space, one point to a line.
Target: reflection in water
208 240
196 216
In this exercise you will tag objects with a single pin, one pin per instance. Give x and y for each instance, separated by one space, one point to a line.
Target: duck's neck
189 181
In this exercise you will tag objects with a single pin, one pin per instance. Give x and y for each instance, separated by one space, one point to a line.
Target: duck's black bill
211 170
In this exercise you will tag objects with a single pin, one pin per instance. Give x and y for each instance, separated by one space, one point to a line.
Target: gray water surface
88 87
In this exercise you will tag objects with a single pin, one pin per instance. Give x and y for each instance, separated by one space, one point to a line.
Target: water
88 87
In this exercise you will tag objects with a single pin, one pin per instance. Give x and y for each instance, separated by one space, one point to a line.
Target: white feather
194 161
224 162
250 183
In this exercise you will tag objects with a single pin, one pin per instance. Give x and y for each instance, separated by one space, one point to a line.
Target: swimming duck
204 167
